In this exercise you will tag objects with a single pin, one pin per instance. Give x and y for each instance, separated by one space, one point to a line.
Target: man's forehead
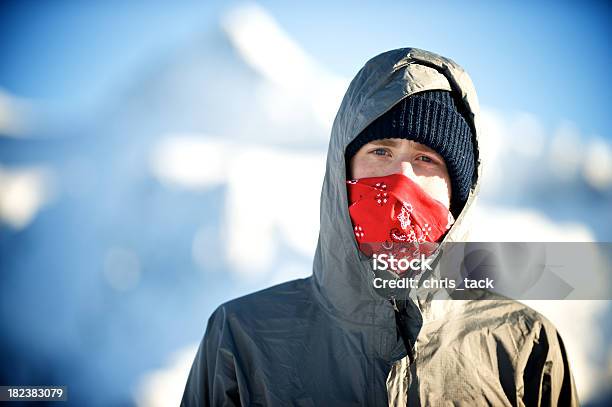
397 142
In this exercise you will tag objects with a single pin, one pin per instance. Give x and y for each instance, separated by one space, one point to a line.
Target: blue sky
548 58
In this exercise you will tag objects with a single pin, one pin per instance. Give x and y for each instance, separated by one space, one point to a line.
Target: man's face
418 162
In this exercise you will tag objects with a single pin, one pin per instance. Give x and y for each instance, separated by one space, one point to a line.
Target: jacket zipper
402 326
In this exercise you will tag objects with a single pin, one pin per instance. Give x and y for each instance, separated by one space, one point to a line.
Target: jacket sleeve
547 377
212 378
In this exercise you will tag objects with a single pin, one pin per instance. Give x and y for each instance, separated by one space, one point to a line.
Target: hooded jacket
332 340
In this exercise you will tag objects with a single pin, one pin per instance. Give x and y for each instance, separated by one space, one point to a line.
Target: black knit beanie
435 119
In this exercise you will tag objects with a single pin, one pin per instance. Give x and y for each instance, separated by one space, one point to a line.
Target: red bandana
393 214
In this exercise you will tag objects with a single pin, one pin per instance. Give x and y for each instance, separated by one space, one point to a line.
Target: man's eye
380 151
424 158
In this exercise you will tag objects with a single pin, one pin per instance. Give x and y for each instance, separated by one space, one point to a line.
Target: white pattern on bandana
404 216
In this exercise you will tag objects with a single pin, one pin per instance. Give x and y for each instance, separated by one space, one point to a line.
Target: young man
406 134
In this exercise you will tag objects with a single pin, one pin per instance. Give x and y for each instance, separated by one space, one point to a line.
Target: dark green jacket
331 340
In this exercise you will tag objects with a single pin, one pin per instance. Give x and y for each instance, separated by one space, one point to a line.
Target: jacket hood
343 277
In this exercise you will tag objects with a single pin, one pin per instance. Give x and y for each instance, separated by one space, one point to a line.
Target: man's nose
405 167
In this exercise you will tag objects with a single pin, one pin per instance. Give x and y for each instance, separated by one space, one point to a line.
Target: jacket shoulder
288 298
496 307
